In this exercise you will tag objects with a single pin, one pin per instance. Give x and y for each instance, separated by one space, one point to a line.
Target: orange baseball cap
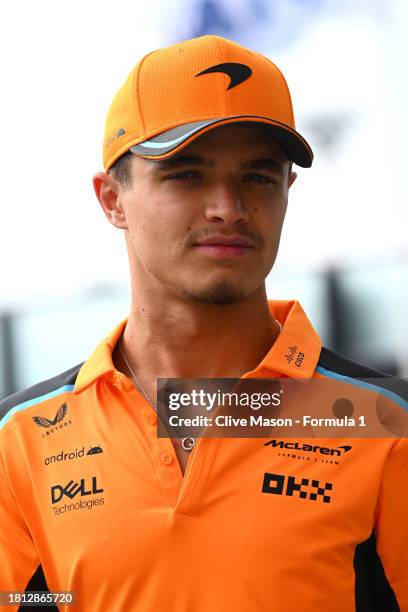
174 95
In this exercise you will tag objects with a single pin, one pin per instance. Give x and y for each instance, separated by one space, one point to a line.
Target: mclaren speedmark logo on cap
238 73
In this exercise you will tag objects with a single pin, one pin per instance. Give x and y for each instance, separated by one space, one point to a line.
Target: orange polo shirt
92 501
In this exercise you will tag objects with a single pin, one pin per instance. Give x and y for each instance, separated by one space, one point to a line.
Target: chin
222 293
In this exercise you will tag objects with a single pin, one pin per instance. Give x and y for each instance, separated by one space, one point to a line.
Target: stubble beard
222 293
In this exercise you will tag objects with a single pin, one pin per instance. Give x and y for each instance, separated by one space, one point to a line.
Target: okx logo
86 486
280 484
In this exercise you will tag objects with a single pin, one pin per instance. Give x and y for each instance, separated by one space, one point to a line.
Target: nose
225 205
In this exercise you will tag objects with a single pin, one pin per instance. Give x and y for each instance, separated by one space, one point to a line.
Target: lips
225 247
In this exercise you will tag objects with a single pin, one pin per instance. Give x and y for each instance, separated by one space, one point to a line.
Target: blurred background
344 254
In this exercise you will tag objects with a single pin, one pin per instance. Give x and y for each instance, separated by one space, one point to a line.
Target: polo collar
294 353
100 363
297 348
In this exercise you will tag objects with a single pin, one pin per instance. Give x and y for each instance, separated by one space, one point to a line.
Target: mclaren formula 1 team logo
309 452
53 425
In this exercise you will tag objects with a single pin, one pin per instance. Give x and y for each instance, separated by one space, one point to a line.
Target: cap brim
171 141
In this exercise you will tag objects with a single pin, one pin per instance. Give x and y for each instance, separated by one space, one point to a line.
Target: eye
183 176
258 178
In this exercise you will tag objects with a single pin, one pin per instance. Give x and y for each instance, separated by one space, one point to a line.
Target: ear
107 190
292 179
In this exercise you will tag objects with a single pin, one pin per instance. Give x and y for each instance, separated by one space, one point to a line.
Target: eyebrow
264 163
178 161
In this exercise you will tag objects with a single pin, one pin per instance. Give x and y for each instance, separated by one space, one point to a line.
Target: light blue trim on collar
32 402
365 385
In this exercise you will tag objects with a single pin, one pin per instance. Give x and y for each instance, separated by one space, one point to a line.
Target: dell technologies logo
72 489
71 495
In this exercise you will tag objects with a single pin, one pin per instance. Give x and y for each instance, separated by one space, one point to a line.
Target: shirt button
152 418
166 458
116 379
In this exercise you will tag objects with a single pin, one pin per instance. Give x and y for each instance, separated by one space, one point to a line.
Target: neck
181 339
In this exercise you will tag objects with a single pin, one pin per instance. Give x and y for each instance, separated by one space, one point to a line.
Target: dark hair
122 170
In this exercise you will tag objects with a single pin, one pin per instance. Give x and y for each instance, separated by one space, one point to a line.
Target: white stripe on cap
151 144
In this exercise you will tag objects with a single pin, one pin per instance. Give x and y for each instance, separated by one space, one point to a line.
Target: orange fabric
151 539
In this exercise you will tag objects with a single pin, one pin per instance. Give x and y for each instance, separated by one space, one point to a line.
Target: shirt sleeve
19 559
391 521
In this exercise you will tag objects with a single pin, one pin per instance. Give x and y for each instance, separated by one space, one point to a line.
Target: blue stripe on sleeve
32 402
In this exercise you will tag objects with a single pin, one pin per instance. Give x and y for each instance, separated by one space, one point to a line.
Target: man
198 154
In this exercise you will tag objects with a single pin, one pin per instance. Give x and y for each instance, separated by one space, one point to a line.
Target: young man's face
206 223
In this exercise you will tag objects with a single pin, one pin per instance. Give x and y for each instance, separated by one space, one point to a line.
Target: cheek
268 215
157 235
269 223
